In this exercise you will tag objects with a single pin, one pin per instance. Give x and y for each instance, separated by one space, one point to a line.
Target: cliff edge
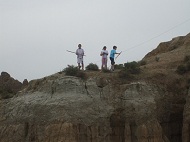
151 107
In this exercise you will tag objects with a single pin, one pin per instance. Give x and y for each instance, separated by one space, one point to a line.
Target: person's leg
82 64
106 63
103 63
79 66
78 61
112 67
112 64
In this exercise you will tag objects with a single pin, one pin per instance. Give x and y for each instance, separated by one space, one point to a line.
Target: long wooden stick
118 55
72 52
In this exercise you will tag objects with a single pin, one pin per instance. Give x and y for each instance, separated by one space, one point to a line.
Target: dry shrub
92 67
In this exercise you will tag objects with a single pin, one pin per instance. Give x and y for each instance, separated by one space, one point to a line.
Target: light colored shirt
80 53
112 53
104 53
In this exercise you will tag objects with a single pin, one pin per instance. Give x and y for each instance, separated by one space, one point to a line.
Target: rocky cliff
9 86
152 107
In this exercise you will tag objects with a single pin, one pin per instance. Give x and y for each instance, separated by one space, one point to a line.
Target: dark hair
79 45
104 47
114 47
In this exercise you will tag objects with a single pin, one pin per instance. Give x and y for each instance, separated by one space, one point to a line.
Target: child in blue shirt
112 55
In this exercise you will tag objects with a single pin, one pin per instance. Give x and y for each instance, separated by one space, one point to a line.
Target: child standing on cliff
104 54
112 55
80 54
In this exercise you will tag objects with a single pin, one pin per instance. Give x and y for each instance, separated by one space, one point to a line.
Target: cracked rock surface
67 109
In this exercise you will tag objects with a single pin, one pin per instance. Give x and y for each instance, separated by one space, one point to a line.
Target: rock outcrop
186 120
153 107
175 43
78 111
8 86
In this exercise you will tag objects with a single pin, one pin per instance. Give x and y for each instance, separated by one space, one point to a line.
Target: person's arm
106 52
117 53
82 52
101 53
77 52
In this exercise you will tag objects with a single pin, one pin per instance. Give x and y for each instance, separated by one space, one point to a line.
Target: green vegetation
71 70
132 67
92 67
118 66
125 74
74 71
129 70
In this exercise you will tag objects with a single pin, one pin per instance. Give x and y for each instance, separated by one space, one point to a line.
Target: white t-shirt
104 55
80 53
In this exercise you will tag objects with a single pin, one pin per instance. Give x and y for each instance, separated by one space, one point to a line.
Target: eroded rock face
186 120
68 109
25 83
170 45
8 86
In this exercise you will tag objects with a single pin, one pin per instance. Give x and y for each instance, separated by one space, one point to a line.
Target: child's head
104 48
115 47
79 45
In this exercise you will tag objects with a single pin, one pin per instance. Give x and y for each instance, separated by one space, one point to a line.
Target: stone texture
78 111
25 83
186 120
8 86
104 108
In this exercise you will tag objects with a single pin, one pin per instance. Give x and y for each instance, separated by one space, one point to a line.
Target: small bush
125 74
132 67
74 71
71 70
92 67
129 69
118 66
181 69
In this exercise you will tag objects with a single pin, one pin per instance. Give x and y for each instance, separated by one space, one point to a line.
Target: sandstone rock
170 45
104 109
25 83
70 114
186 120
8 86
5 76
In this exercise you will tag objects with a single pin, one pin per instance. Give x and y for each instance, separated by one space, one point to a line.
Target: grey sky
35 34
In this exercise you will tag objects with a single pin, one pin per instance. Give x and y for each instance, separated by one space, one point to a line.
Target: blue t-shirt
112 53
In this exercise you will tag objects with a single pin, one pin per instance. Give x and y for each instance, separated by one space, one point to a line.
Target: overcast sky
35 34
